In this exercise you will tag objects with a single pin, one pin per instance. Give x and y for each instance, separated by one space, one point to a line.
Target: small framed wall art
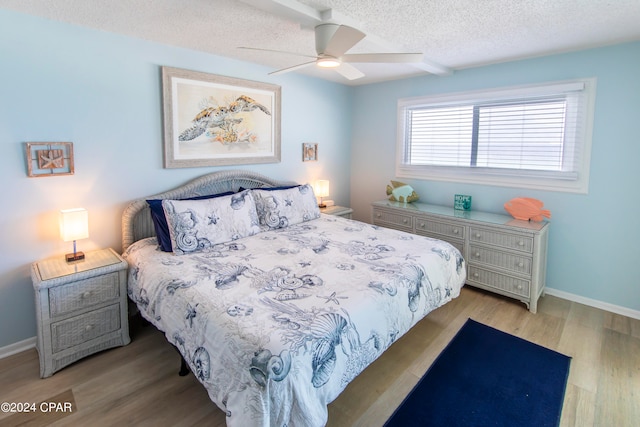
309 152
49 158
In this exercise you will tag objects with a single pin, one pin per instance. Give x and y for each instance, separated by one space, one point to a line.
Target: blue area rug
485 377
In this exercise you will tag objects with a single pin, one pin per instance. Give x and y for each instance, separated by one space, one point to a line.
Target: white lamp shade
322 188
74 224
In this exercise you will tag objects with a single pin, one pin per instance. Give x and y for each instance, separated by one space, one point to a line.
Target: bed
274 306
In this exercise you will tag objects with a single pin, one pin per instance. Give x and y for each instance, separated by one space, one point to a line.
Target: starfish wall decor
49 158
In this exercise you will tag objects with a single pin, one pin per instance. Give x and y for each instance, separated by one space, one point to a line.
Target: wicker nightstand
81 307
337 211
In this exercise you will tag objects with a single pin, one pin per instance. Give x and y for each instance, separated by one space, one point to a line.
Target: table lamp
74 225
322 190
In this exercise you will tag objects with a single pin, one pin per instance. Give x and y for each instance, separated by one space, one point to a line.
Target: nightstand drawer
83 293
506 240
444 228
499 281
80 329
393 220
506 260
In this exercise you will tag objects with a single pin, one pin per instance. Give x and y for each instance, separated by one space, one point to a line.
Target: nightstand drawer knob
378 215
520 243
404 221
88 328
476 275
86 294
477 254
422 225
521 264
456 231
478 235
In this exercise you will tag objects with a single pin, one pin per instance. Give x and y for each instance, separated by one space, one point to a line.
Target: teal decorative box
462 202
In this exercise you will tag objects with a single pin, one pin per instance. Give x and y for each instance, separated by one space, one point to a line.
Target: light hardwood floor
139 385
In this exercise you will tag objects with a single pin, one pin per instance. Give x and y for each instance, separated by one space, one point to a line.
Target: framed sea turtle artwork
213 120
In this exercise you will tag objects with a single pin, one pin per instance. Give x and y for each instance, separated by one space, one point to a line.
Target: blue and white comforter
276 325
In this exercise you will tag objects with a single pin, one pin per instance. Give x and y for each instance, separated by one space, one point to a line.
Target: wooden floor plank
618 397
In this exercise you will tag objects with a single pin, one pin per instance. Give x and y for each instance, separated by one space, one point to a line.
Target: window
531 137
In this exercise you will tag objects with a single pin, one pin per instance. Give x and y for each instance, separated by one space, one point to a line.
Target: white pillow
197 225
283 207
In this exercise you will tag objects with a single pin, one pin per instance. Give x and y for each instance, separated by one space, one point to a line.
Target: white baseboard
624 311
17 347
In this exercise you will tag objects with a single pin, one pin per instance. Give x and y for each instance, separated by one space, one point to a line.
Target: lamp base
78 256
322 206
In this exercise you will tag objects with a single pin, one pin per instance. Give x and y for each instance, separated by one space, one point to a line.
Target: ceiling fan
332 43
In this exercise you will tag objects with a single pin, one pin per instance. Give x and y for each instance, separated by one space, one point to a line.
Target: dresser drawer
443 228
392 220
506 240
83 293
507 260
77 330
495 280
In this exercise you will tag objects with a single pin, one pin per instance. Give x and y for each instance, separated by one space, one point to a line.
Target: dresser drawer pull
422 225
477 254
519 287
456 231
85 295
88 328
520 243
521 264
476 275
478 235
404 221
379 215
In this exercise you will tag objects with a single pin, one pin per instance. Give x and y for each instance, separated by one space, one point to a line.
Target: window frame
575 181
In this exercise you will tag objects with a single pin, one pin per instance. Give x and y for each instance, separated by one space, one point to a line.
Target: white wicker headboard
136 218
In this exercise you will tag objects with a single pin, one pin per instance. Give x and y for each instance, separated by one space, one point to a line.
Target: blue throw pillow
160 221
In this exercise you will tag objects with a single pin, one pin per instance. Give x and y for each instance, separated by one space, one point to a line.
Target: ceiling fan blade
293 68
336 41
408 58
276 51
349 71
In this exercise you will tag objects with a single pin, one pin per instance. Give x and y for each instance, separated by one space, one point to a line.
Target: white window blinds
536 132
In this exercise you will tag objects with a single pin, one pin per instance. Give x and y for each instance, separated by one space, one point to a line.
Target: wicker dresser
81 307
503 255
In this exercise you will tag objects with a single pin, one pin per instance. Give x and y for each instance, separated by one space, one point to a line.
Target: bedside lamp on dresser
74 225
322 190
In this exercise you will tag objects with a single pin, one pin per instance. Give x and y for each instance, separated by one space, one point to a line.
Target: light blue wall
103 92
593 246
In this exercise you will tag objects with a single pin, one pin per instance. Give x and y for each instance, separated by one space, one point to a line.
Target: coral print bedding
276 324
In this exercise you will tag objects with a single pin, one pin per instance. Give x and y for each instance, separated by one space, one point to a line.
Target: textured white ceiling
453 34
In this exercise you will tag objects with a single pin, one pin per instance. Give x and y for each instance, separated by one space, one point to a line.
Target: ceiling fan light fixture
328 62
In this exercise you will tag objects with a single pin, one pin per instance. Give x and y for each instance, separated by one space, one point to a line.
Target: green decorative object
462 202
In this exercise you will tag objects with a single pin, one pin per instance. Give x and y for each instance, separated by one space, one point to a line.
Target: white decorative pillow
197 225
283 207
